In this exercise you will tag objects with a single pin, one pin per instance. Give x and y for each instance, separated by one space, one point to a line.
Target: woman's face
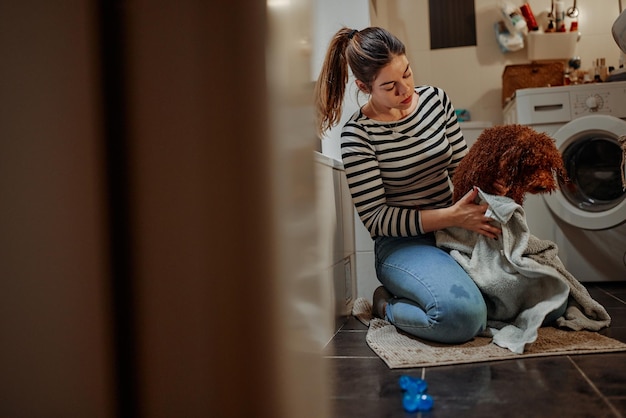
393 87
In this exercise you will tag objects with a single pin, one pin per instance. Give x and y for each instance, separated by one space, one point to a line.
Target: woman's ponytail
331 84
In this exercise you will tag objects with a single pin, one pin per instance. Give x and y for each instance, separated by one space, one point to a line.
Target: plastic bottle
529 16
603 69
596 71
513 18
559 18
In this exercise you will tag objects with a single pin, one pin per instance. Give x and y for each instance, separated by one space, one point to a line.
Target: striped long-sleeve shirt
395 169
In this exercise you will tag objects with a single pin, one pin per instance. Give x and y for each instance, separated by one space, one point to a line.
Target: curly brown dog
517 158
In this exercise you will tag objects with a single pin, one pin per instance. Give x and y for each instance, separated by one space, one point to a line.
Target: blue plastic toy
413 384
415 397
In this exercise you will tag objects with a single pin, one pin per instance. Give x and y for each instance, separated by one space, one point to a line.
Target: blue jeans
435 299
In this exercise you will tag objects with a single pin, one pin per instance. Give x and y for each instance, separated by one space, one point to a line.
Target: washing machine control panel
594 103
588 103
598 99
551 105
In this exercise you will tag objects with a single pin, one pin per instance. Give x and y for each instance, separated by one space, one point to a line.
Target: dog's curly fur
518 157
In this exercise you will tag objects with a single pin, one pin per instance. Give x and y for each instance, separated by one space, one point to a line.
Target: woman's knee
463 322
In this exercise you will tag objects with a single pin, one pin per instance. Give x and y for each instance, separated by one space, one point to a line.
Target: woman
399 152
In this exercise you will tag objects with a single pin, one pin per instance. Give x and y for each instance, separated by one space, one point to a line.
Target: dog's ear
559 170
514 168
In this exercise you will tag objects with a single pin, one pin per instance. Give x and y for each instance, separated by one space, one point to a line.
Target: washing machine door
595 198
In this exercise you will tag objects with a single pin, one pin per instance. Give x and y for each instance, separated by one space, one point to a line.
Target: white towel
520 276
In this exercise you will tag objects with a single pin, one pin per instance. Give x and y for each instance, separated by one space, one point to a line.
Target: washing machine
587 218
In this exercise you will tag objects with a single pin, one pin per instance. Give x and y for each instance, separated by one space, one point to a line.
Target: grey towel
521 277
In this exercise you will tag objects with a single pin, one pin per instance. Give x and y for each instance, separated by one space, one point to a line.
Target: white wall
329 17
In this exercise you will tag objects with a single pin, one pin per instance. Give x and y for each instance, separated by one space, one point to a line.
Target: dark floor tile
542 387
618 316
606 371
349 343
617 333
604 297
367 388
354 324
369 408
621 296
619 403
616 289
340 321
615 286
561 386
362 378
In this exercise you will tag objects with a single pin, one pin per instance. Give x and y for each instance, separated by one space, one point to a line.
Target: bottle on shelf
559 18
529 16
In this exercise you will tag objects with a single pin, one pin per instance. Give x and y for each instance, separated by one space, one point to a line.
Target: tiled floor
560 386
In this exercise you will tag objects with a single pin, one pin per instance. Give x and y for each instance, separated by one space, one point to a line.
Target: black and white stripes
396 168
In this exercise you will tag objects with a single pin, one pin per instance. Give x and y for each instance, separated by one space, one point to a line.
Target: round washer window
593 166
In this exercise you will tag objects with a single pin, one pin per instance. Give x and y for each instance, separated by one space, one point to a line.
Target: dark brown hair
365 52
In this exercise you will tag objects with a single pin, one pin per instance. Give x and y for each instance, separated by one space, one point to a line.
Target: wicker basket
535 74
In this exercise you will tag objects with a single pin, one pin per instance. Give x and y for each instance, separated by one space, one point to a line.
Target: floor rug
400 350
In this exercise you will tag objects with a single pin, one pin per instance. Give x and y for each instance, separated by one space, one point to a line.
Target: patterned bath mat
399 350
